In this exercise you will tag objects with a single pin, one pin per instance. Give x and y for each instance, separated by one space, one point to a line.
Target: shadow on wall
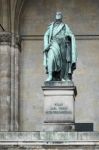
81 127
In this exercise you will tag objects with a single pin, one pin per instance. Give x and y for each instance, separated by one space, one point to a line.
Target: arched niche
34 18
16 7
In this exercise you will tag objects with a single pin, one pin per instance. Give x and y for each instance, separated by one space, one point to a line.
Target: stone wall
81 16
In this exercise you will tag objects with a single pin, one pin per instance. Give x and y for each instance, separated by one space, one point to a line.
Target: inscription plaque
59 109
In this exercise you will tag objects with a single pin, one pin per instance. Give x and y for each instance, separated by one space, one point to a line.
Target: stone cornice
53 140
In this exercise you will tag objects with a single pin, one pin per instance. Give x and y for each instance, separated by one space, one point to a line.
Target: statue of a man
59 51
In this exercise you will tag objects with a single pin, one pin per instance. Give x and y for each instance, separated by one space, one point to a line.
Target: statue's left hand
73 66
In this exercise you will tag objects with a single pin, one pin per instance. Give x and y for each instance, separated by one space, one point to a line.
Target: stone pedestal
59 106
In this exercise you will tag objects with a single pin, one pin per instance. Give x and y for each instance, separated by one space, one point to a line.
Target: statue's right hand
47 48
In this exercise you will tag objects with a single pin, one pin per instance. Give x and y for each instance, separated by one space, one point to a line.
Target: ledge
49 138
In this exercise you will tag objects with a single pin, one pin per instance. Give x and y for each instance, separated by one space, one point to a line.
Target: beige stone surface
86 79
5 96
31 80
81 16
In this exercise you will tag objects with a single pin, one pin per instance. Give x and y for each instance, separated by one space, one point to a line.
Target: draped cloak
57 53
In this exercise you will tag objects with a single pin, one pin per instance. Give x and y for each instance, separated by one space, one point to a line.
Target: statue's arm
46 39
73 44
46 46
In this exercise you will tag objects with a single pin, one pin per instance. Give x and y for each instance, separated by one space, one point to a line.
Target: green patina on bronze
60 54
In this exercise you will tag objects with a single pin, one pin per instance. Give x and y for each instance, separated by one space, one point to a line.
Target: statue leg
64 71
69 71
50 65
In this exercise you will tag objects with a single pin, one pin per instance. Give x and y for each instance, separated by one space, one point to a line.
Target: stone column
5 81
8 83
15 52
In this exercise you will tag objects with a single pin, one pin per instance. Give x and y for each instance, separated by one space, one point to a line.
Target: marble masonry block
59 127
59 105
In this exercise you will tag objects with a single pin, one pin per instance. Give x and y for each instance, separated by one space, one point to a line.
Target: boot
49 77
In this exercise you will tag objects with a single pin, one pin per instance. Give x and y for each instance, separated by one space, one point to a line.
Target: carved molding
10 38
5 37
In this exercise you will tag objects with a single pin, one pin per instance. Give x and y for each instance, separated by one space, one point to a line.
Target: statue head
59 16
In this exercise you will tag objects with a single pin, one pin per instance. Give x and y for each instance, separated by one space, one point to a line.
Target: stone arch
16 14
81 26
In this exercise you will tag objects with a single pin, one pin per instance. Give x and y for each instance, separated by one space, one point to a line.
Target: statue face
58 16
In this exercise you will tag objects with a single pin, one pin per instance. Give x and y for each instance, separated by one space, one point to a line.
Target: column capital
9 38
5 37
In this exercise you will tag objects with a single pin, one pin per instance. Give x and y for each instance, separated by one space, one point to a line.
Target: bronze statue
59 51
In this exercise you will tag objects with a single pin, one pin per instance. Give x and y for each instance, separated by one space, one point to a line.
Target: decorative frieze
9 38
5 37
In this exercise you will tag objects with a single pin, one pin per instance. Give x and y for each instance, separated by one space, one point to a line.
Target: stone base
58 127
59 106
49 140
